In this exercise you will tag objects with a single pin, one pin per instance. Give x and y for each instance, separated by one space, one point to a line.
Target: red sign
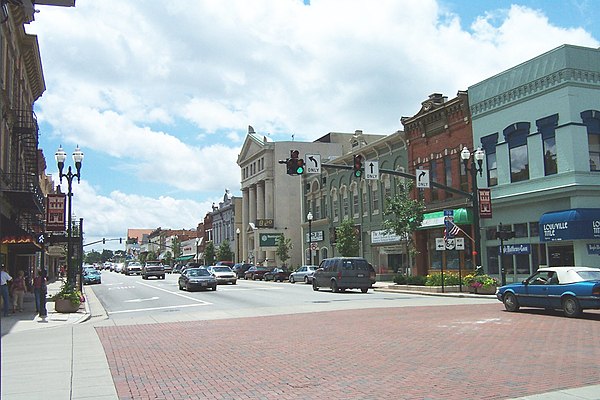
55 212
485 203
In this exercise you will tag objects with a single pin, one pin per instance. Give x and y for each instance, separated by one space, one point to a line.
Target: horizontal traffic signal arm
405 175
104 240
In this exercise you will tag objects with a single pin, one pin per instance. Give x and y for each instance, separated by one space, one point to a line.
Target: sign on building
485 203
269 239
55 212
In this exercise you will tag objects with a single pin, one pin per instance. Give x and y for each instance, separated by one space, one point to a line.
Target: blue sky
159 95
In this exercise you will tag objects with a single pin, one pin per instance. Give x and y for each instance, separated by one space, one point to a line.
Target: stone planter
486 290
65 306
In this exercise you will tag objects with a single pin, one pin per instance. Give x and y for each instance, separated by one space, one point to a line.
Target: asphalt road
127 298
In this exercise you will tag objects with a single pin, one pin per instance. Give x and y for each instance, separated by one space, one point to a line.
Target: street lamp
476 166
237 240
61 156
309 218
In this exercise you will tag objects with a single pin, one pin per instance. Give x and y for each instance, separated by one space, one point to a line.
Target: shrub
479 280
416 280
400 279
435 279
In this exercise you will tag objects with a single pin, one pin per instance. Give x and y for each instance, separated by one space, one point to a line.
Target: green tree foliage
284 245
224 252
176 247
347 241
151 256
92 257
168 258
404 214
106 255
209 253
143 257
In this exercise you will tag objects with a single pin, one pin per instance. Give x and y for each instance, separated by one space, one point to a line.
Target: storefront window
452 259
538 256
520 230
534 229
492 260
523 266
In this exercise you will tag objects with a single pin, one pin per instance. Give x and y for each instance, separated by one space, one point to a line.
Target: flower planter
486 290
65 306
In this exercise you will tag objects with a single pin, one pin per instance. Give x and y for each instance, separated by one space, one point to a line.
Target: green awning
184 258
462 216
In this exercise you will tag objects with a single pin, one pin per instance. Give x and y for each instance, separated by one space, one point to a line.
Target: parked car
133 268
223 273
276 274
241 268
303 274
178 268
572 289
255 272
197 278
226 263
153 268
341 273
91 275
168 268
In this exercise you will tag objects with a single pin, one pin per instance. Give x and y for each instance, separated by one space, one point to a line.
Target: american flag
450 229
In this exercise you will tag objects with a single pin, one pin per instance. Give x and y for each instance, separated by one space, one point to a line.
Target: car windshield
262 269
221 269
589 275
197 272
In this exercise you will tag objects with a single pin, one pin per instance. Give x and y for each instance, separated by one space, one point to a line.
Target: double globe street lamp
61 157
476 166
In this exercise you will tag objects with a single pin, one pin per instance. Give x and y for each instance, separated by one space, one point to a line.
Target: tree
224 252
284 245
92 257
176 247
143 257
347 241
151 256
106 255
168 257
209 253
405 214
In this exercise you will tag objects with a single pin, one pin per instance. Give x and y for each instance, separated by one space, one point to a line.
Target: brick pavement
445 352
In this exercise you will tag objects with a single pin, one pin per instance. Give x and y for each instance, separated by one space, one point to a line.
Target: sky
159 94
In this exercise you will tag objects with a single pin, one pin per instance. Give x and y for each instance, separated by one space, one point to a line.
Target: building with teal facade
539 124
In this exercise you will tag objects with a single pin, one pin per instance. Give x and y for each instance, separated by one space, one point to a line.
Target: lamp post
197 245
309 218
237 241
476 166
61 156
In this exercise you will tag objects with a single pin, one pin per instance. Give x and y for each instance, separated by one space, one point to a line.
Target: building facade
539 124
227 222
335 195
435 137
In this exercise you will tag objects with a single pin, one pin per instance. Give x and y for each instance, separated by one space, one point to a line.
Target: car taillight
339 275
596 290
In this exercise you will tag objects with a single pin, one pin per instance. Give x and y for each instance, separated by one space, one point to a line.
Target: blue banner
511 249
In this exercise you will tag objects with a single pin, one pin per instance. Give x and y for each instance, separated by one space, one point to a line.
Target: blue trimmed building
539 124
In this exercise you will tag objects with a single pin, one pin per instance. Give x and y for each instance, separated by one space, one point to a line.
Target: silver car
223 274
303 274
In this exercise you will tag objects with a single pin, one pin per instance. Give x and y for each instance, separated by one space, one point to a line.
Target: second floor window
519 163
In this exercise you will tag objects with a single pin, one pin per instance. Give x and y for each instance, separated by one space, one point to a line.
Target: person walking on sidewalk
39 290
4 279
18 289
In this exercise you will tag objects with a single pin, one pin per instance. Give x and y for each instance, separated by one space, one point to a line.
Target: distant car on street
276 274
197 279
223 273
91 275
153 268
255 272
571 289
303 274
241 268
133 268
226 263
168 268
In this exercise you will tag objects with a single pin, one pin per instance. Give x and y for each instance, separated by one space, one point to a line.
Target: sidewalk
60 358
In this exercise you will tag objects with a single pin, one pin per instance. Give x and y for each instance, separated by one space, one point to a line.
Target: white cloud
167 89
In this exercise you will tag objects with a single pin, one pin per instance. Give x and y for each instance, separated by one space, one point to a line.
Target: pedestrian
4 279
62 271
39 290
18 289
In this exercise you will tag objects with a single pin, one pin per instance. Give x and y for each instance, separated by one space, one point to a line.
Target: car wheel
306 279
334 287
214 288
571 306
292 279
314 285
253 277
187 287
364 290
180 287
510 302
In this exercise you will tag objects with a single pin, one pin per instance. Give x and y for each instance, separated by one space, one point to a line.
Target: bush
400 279
450 279
416 280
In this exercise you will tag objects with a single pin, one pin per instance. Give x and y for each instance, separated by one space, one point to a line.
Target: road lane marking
176 294
140 300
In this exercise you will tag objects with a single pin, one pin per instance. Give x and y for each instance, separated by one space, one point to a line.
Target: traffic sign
312 163
422 176
460 243
440 244
371 170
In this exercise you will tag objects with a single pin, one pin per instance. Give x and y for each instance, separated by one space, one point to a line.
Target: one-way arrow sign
372 170
313 163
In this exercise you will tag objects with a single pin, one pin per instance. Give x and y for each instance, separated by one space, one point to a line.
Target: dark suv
240 269
153 268
341 273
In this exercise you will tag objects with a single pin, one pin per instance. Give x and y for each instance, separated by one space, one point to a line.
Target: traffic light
103 241
358 165
295 165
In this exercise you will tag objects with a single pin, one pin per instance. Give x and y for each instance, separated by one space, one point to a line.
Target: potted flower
481 283
68 299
